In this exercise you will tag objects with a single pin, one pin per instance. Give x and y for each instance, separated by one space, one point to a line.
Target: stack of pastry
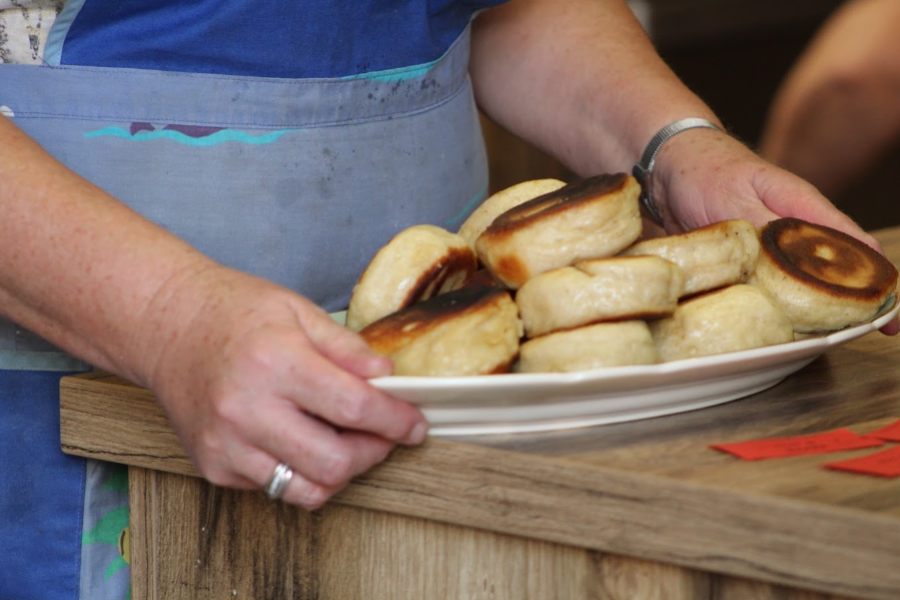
565 285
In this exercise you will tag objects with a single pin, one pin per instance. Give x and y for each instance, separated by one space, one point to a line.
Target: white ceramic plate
530 402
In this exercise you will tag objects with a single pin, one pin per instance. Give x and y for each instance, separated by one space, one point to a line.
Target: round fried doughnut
602 289
590 347
738 317
713 256
590 218
471 331
823 278
416 264
501 202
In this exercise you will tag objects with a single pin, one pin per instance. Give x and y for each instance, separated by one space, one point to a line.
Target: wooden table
641 510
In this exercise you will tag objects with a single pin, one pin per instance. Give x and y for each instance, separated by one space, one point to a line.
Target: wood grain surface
650 494
237 544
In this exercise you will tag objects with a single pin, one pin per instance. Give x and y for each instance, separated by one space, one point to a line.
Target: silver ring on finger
279 481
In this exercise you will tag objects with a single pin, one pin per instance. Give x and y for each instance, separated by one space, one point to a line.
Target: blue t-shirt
300 39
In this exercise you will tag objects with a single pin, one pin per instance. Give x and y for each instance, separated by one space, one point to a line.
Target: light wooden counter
632 511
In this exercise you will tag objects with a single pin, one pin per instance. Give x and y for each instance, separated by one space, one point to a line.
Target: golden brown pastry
501 202
590 347
714 256
471 331
590 218
416 264
823 278
603 289
738 317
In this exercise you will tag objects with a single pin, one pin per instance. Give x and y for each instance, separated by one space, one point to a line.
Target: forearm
838 109
830 135
77 266
592 97
581 80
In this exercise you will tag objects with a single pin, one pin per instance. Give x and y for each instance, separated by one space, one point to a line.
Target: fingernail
417 435
379 366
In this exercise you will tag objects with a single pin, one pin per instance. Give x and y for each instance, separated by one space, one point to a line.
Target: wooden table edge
784 541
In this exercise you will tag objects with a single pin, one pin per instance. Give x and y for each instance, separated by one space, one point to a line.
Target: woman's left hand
703 176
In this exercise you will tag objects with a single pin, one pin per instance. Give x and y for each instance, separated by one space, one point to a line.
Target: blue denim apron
296 180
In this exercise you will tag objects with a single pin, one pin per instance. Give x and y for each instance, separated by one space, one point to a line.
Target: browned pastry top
568 197
397 329
453 269
828 260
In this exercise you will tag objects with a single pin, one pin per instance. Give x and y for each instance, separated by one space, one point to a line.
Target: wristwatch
643 170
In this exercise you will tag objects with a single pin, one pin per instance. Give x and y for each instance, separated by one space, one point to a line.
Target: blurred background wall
733 54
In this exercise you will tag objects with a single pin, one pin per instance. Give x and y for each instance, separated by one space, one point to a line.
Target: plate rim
521 403
804 347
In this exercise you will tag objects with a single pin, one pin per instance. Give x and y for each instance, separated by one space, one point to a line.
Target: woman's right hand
252 375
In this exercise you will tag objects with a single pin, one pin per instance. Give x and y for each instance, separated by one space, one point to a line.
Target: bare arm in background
838 110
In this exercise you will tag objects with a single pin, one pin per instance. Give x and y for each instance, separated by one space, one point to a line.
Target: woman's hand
703 176
255 375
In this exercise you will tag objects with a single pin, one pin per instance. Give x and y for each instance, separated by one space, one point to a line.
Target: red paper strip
818 443
883 464
890 433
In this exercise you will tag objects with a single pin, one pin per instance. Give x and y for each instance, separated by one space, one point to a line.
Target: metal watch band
643 170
